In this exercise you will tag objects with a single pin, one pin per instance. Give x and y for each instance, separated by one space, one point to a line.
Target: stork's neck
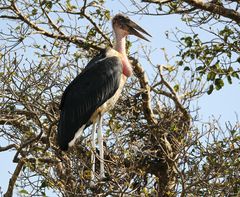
120 46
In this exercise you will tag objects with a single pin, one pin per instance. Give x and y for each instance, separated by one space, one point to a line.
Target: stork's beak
134 29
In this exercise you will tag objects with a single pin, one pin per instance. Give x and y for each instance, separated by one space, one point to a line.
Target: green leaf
23 191
235 74
229 79
180 63
233 131
48 5
34 11
195 36
210 89
219 83
238 59
60 20
186 68
188 41
107 14
199 68
211 76
36 46
44 184
176 88
230 69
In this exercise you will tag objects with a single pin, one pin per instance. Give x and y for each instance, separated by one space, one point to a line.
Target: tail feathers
62 139
70 128
66 141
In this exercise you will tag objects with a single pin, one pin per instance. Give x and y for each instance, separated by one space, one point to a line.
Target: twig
51 22
97 28
16 159
173 95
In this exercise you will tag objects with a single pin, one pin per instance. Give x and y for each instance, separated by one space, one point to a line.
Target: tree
154 148
217 57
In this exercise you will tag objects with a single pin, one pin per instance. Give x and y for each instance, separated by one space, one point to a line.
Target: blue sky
224 103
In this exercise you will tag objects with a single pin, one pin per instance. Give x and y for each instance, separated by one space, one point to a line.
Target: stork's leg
100 143
93 153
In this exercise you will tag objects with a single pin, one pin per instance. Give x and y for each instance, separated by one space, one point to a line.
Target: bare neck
120 46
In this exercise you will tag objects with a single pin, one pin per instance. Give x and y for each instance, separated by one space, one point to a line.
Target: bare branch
140 74
216 9
51 22
25 144
97 28
72 39
13 179
173 95
10 146
157 1
207 6
9 17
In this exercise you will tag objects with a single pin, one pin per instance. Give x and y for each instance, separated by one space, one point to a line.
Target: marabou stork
96 89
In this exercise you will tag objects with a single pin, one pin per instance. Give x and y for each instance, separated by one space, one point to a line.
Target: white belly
110 102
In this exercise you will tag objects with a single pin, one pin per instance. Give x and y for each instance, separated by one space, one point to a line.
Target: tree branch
14 120
10 146
72 39
140 74
51 22
173 95
97 28
9 17
157 1
216 9
210 7
25 144
13 179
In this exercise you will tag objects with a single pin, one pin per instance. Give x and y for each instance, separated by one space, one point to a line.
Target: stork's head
124 26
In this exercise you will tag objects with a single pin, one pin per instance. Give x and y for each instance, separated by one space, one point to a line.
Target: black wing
89 90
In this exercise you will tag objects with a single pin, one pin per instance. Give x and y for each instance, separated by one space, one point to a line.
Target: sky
223 104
